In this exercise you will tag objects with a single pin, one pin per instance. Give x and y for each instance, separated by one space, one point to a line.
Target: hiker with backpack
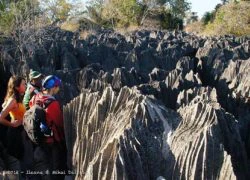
33 87
13 106
50 150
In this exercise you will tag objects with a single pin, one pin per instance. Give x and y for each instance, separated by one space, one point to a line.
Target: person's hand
16 123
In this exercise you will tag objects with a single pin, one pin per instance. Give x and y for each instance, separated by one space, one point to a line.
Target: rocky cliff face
203 120
148 105
120 135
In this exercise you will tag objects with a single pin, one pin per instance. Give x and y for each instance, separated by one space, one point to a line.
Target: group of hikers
21 154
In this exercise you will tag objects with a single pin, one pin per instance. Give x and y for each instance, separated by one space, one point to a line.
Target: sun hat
34 75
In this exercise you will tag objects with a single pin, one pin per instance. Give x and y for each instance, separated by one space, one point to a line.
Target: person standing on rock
34 87
51 156
13 106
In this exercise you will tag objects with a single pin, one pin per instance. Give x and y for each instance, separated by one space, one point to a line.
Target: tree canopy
229 17
134 12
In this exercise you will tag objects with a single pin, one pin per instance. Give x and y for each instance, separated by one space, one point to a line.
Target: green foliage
232 18
191 18
161 2
224 2
121 13
14 14
207 17
21 14
6 18
168 21
56 10
117 13
153 3
63 9
94 14
179 7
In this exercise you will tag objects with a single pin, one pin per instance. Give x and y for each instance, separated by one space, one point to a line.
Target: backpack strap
31 88
48 102
43 103
33 91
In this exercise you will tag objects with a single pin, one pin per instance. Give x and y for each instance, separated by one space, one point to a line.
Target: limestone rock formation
145 105
119 136
207 134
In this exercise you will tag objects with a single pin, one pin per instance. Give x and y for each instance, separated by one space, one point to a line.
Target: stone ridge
119 135
145 105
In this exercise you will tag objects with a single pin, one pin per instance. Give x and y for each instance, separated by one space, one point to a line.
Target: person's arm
26 97
11 104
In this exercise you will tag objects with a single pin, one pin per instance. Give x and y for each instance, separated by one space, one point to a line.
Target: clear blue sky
202 6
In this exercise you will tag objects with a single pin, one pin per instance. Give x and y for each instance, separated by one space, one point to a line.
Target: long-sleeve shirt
31 90
54 117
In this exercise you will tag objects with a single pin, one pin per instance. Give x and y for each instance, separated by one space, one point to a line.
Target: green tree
154 3
192 17
206 18
56 10
147 6
127 12
224 2
121 13
94 11
20 21
232 18
179 7
6 17
15 14
77 9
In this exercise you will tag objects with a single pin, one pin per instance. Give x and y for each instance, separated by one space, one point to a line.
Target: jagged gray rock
214 56
203 140
205 93
236 76
121 136
204 79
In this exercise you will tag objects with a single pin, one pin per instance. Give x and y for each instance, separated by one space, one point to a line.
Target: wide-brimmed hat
34 75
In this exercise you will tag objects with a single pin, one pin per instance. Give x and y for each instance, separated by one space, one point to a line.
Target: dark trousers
51 161
9 165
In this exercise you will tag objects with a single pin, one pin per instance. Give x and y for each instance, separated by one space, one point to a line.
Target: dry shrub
233 18
86 33
127 30
70 26
195 27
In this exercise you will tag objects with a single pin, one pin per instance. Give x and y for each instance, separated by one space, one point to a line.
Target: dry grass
70 26
127 30
233 18
85 33
195 27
